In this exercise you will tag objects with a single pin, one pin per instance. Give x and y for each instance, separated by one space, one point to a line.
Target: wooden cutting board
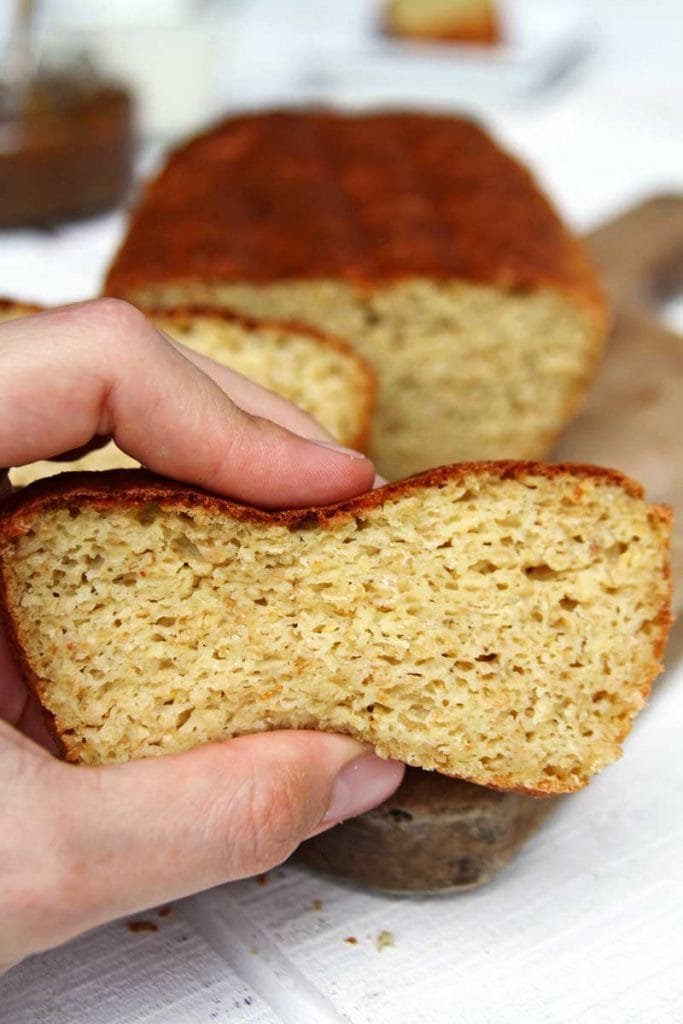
633 416
438 834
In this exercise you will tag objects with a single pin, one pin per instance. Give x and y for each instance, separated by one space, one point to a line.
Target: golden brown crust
8 627
251 323
117 487
485 30
369 200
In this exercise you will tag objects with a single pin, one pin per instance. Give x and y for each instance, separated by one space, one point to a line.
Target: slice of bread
461 21
414 237
498 622
321 374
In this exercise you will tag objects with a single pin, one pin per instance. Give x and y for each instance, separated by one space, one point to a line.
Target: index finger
102 368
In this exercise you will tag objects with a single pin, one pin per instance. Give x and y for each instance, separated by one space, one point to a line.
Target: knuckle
42 883
117 313
279 815
62 880
266 817
107 319
63 868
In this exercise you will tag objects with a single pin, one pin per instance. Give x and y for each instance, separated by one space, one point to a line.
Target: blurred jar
165 51
66 134
66 152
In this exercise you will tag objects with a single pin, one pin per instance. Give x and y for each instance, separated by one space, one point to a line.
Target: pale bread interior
466 371
500 630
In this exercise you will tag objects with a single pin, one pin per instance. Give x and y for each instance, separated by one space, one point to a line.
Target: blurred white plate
543 42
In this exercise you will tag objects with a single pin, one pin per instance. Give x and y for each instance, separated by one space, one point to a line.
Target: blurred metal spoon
19 60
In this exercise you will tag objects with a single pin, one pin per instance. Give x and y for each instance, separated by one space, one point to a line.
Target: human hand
80 846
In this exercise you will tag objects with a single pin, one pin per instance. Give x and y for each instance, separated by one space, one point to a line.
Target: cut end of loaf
495 622
465 370
454 278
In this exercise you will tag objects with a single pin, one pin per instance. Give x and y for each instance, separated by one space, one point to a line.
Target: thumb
124 837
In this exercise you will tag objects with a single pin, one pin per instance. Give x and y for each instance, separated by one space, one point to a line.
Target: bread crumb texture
499 629
384 940
465 371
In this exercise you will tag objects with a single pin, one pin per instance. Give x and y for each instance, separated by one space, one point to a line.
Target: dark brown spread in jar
65 151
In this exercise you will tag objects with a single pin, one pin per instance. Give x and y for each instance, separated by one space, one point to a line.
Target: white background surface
587 924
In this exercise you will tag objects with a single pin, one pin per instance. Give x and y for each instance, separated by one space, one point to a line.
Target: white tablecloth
587 924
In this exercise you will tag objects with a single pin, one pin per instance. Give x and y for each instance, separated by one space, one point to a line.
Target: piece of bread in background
433 835
499 622
455 21
10 309
412 236
322 375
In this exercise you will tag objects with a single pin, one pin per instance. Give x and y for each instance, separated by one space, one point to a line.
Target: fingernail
362 784
351 453
379 481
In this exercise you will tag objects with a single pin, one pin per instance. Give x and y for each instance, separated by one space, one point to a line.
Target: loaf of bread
322 375
415 238
433 835
457 21
497 622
